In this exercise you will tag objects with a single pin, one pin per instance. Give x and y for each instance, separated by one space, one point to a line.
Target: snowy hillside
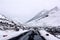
7 24
53 19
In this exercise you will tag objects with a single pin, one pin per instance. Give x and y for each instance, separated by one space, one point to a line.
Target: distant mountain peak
44 14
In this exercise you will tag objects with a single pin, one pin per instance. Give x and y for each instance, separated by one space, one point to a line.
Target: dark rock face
31 35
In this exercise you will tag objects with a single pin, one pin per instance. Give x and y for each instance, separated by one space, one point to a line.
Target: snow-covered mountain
53 19
6 23
44 18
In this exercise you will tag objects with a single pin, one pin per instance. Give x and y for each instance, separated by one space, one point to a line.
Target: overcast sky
25 9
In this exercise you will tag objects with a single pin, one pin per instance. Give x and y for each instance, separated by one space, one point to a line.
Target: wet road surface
30 35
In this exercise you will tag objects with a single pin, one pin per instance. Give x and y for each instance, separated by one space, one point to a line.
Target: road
30 35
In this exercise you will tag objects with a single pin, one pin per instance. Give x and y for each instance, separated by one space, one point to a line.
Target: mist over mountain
53 19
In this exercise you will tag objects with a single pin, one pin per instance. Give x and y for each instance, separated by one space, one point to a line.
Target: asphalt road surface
30 35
